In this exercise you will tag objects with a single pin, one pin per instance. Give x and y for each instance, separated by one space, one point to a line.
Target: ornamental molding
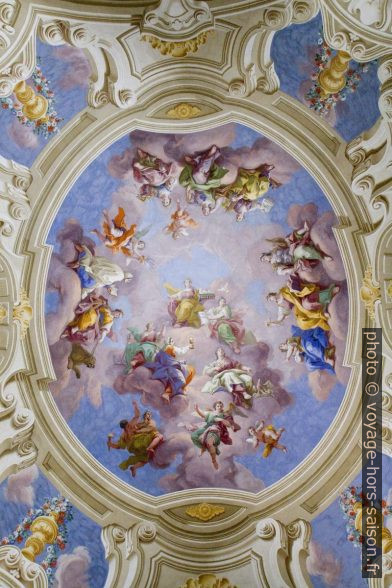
184 110
237 54
171 18
359 27
370 292
204 511
18 572
177 48
33 430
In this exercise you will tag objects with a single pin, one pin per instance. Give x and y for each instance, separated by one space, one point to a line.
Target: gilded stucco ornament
3 313
23 313
184 111
204 511
176 48
370 292
208 581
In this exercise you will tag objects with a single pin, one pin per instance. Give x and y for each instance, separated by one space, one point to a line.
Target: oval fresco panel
196 310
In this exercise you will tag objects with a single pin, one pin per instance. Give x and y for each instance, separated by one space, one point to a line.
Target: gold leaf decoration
176 48
205 511
23 313
370 292
208 581
183 111
389 288
3 312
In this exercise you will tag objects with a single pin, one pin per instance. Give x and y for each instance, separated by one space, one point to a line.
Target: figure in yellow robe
309 304
184 305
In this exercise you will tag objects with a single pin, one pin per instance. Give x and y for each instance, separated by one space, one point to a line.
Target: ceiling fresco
183 288
196 306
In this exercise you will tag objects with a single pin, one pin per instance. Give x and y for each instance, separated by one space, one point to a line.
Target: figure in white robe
95 272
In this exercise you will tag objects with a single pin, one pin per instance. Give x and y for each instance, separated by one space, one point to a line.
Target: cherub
181 220
218 421
119 238
268 435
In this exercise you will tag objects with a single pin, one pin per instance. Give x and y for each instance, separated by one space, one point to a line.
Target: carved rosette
204 511
184 110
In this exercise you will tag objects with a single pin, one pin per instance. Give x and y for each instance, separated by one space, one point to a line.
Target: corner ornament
176 48
208 581
370 292
204 511
183 111
23 313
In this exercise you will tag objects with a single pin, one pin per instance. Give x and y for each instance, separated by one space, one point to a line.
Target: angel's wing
142 232
259 425
252 440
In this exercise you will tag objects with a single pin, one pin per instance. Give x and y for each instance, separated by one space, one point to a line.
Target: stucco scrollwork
283 550
8 12
185 17
112 79
359 27
17 571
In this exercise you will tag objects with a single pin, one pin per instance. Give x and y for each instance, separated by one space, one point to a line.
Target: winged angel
119 237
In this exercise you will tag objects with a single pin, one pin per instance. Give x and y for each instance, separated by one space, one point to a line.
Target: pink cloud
22 135
78 69
20 486
72 569
324 564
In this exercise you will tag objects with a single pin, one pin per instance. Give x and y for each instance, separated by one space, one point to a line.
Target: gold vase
35 106
44 531
333 78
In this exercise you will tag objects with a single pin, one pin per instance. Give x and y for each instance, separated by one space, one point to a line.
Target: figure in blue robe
313 348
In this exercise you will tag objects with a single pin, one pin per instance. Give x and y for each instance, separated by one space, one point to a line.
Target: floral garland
58 505
322 105
347 500
45 126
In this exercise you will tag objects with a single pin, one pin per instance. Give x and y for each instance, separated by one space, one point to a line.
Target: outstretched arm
200 412
136 409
